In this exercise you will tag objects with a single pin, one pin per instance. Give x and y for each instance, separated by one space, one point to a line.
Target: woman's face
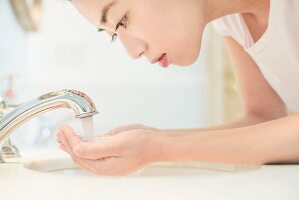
150 28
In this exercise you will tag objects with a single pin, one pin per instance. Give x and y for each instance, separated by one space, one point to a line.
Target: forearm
272 141
246 120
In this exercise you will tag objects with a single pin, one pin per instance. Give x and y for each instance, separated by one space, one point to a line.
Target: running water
88 128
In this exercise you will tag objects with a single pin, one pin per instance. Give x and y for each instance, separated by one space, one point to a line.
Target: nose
135 47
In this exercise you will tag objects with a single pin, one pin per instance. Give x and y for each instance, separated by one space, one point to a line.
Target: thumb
124 128
96 150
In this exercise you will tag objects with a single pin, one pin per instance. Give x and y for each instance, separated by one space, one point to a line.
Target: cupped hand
124 151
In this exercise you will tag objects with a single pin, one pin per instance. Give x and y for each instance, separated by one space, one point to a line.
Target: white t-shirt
277 51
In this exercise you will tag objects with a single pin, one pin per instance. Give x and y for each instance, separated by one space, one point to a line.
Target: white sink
59 163
148 171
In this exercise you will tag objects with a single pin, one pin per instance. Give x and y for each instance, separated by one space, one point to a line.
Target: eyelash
122 23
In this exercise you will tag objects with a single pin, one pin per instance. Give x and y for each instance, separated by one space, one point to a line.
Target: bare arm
275 141
260 102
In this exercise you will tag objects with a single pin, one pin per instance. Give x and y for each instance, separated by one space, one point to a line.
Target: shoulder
233 26
225 25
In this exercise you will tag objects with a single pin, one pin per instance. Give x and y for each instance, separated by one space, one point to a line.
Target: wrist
158 146
179 147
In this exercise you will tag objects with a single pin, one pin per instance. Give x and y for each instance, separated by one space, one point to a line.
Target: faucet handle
4 106
7 150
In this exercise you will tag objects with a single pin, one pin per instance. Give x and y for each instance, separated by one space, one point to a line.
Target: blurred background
47 46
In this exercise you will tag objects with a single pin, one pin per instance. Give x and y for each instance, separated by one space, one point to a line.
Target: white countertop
268 182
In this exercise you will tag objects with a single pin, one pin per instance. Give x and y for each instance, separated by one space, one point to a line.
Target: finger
89 165
66 129
58 138
118 130
122 129
61 143
73 140
62 147
60 133
96 150
102 134
112 166
65 143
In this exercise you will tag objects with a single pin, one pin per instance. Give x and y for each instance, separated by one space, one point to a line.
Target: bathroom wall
14 61
13 46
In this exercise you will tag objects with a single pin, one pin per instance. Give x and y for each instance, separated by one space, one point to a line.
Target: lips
162 60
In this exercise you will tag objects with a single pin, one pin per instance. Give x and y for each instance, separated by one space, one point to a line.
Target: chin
188 60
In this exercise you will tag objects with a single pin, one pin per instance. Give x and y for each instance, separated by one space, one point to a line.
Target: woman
261 37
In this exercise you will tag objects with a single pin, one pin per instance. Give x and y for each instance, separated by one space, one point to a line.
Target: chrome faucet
77 101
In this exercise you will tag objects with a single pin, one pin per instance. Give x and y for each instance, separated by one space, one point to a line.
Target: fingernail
61 146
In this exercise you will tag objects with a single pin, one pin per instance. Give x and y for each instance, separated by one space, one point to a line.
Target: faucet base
9 150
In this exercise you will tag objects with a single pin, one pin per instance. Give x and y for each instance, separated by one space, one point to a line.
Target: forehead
91 9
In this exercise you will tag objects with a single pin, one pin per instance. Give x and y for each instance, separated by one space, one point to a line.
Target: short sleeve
221 27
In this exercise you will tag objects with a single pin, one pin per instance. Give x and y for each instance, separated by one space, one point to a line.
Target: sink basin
71 172
59 163
150 170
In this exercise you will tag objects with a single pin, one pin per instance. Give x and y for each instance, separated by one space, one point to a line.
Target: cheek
187 46
150 25
148 30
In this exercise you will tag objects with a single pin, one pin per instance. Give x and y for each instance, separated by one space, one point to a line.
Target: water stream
88 128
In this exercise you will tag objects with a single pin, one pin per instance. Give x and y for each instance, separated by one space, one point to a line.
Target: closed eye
121 23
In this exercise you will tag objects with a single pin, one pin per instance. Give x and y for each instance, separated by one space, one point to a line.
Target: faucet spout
77 101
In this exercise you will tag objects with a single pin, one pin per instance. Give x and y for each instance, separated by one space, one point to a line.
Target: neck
214 9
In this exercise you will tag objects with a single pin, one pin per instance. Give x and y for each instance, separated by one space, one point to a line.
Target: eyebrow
106 10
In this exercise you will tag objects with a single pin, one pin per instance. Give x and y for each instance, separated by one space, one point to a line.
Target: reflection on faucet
77 101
